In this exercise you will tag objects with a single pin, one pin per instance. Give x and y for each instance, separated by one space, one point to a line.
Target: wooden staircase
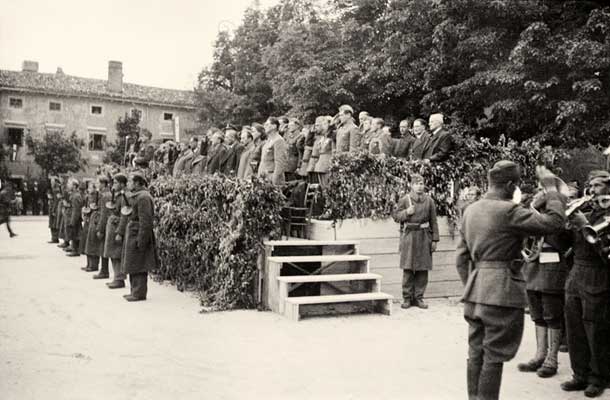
312 278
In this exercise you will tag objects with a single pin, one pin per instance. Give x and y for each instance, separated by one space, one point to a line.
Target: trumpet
126 210
592 233
577 204
110 205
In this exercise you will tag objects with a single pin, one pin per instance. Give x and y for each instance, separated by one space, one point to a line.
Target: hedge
209 232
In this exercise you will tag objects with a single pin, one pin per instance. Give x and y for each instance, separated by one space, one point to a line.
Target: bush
209 232
367 186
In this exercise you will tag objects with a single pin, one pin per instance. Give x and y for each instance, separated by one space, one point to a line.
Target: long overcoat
75 210
82 245
416 242
140 252
59 219
274 156
112 248
94 243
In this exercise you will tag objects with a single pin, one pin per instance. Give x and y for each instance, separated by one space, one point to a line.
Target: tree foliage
57 153
128 132
519 68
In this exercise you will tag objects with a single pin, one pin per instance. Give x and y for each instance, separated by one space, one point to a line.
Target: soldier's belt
513 265
411 226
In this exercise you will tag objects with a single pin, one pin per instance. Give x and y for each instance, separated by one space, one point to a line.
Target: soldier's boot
74 249
549 367
473 371
103 274
490 381
94 264
86 267
541 351
63 245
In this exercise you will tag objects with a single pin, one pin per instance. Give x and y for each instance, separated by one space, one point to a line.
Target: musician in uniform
139 251
95 244
489 264
53 200
545 273
588 296
113 247
59 221
416 213
105 198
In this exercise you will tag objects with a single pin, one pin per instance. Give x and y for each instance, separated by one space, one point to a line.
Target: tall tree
57 153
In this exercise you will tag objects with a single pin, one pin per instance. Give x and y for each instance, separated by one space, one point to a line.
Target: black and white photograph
304 199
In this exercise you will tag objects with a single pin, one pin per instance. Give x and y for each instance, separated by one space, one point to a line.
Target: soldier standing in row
112 246
53 199
105 198
60 220
139 251
74 219
489 264
588 297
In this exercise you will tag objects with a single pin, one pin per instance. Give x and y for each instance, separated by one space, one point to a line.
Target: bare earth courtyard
65 336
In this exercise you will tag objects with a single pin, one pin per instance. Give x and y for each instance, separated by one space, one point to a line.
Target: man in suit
216 154
402 146
441 142
348 134
489 264
230 161
422 139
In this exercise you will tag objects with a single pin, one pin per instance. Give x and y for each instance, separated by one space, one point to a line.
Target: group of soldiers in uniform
109 220
284 149
562 275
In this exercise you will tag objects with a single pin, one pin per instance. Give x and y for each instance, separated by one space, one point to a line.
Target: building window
15 102
54 106
15 136
168 116
97 141
96 110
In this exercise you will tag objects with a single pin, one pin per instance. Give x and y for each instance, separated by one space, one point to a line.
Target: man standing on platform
489 263
416 213
348 134
140 253
440 145
402 147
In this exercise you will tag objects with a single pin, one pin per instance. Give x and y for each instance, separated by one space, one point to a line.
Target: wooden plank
335 309
305 242
394 275
390 245
381 261
328 278
323 258
340 298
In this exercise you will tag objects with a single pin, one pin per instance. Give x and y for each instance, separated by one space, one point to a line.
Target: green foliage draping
368 186
209 232
518 68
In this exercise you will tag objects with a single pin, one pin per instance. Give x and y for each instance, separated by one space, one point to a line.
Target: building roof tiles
63 84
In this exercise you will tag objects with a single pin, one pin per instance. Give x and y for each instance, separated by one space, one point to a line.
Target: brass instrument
577 204
111 205
532 246
126 210
593 233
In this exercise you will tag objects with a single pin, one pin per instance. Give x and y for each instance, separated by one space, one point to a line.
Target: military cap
346 108
599 174
504 171
230 127
139 176
120 177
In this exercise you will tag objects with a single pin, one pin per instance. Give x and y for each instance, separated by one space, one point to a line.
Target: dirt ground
64 335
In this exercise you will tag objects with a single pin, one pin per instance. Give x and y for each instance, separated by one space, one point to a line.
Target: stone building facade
34 103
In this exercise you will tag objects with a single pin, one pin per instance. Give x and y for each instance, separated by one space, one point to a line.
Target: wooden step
318 259
383 302
328 278
305 242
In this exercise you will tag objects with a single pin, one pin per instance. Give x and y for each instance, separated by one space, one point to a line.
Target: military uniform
417 232
587 310
112 247
139 251
274 156
74 221
105 197
53 200
94 246
348 137
59 221
489 264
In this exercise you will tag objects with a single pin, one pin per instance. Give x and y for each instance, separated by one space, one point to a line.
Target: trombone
592 233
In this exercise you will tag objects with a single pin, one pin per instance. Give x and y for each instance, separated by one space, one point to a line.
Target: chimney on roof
115 76
29 66
59 71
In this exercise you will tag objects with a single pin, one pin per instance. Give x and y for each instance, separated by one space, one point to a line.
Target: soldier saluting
489 264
